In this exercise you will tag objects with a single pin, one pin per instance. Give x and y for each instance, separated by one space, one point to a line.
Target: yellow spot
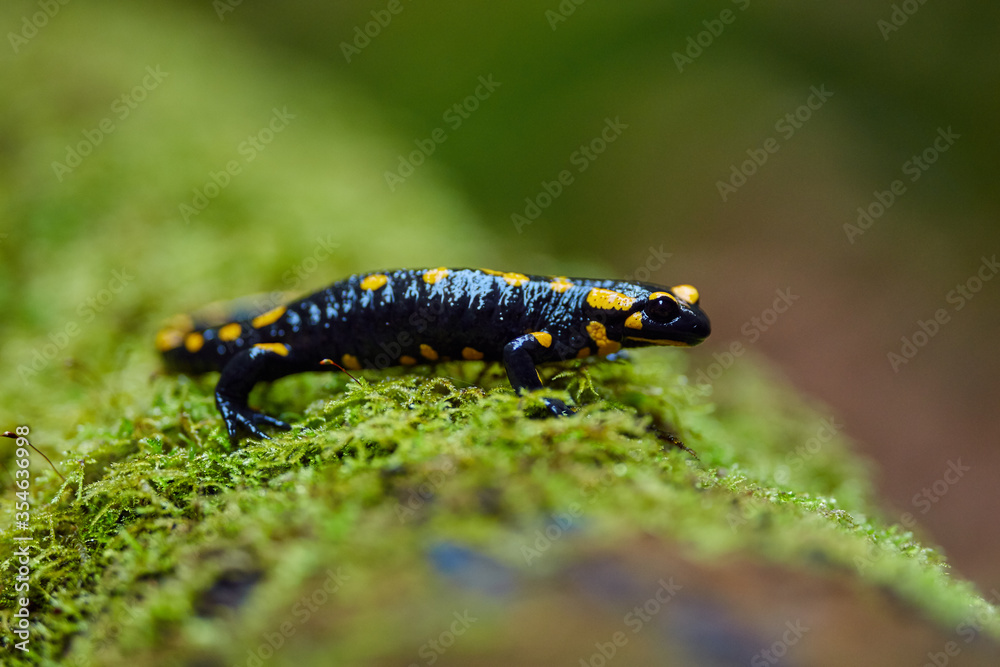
351 362
560 284
193 342
599 335
428 352
471 354
606 299
277 348
515 279
543 337
652 341
433 275
407 360
374 281
168 339
172 335
492 272
230 332
270 317
657 295
634 321
685 293
583 353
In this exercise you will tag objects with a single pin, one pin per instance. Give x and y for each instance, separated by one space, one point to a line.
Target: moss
165 538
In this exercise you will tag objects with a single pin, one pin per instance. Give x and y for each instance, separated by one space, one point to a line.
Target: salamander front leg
520 356
260 363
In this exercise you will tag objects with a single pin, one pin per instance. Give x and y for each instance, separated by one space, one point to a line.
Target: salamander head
666 317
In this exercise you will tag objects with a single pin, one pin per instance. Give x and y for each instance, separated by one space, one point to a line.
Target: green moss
162 527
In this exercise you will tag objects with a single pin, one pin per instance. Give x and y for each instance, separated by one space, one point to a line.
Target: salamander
425 316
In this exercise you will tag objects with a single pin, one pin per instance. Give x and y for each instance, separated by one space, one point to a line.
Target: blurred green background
113 159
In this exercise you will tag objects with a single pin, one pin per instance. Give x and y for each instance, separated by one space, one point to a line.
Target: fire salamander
425 316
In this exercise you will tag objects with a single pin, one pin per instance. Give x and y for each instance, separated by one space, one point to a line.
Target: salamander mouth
678 341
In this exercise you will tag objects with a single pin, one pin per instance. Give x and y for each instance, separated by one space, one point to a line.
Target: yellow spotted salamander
425 316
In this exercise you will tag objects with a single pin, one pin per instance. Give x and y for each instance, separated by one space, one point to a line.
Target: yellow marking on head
351 362
560 284
685 293
657 295
606 299
168 339
634 320
407 360
543 337
431 276
277 348
193 342
270 317
652 341
374 281
584 353
471 354
515 279
428 352
230 332
492 272
599 335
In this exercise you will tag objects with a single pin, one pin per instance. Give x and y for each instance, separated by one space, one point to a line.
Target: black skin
409 317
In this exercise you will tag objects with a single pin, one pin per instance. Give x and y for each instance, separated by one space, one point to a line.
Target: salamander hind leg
519 357
262 362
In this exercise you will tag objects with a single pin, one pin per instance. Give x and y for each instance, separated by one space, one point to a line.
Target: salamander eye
662 307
